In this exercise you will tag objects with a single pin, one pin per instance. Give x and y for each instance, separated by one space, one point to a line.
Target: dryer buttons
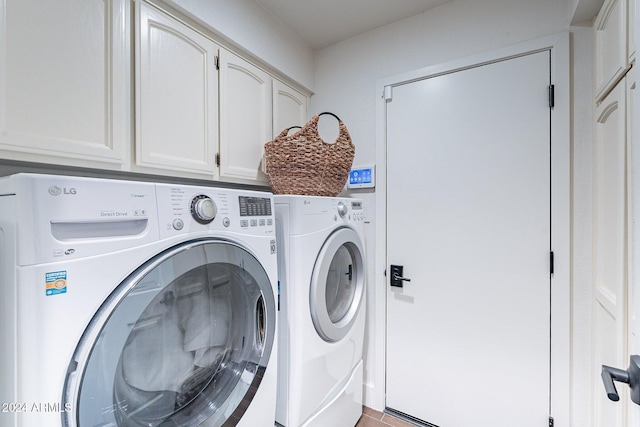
203 209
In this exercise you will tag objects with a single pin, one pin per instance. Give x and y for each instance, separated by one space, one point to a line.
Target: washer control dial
203 209
342 209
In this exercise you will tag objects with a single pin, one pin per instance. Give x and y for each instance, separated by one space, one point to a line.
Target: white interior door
468 216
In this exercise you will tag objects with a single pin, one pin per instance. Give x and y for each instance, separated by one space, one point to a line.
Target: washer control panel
184 208
255 211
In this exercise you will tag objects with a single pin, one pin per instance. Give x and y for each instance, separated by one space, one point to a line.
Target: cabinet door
631 31
633 209
64 81
289 107
176 95
610 263
610 41
245 119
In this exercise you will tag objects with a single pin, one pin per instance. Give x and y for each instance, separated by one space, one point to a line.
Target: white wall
252 28
346 75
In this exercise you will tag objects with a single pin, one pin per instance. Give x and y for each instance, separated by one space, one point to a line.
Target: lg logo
54 190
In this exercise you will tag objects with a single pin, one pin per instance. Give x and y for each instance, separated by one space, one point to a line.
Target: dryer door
183 340
337 285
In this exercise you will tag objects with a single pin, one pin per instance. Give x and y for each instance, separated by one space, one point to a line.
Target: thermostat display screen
362 178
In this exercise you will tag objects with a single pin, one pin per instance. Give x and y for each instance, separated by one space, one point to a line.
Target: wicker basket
302 163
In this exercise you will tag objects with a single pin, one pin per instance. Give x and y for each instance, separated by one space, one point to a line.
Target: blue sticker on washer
56 283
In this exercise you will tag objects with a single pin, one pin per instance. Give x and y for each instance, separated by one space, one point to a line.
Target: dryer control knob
203 209
342 209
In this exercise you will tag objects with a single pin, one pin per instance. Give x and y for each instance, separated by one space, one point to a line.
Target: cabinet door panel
289 107
246 115
177 94
609 252
64 80
610 46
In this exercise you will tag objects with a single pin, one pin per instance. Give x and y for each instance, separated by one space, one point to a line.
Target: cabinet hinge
218 159
552 96
551 423
551 262
217 61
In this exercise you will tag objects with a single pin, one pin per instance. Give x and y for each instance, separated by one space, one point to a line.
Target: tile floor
371 418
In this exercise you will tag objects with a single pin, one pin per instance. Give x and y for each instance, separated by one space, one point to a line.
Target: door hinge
552 96
387 95
217 62
551 262
551 423
218 159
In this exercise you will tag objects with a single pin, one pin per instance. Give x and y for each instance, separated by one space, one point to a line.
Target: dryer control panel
310 213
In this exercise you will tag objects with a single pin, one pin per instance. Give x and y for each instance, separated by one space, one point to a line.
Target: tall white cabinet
610 284
85 83
613 331
65 82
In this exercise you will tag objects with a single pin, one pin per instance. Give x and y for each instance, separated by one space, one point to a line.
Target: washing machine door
183 341
337 285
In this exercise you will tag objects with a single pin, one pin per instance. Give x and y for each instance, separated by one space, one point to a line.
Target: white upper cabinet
84 83
289 107
65 81
176 95
245 119
611 51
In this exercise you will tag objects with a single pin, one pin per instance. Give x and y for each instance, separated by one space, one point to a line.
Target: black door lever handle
396 276
609 375
631 376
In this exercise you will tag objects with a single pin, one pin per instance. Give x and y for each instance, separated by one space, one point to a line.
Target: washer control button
226 221
178 224
203 209
342 209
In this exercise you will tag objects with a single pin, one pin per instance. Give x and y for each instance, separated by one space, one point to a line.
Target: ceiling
321 23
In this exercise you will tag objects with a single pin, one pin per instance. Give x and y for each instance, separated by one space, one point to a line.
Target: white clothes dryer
129 304
321 272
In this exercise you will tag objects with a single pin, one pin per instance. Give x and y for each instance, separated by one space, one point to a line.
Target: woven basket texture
302 163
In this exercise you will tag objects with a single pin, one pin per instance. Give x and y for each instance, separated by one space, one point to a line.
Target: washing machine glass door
337 284
184 340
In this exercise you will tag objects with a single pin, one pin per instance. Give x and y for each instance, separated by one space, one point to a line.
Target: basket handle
331 114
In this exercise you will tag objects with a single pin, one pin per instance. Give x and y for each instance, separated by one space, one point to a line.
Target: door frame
559 47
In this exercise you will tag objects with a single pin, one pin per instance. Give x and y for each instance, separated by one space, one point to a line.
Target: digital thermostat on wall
362 177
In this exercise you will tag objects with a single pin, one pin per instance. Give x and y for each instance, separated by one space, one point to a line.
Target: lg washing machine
129 304
321 269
